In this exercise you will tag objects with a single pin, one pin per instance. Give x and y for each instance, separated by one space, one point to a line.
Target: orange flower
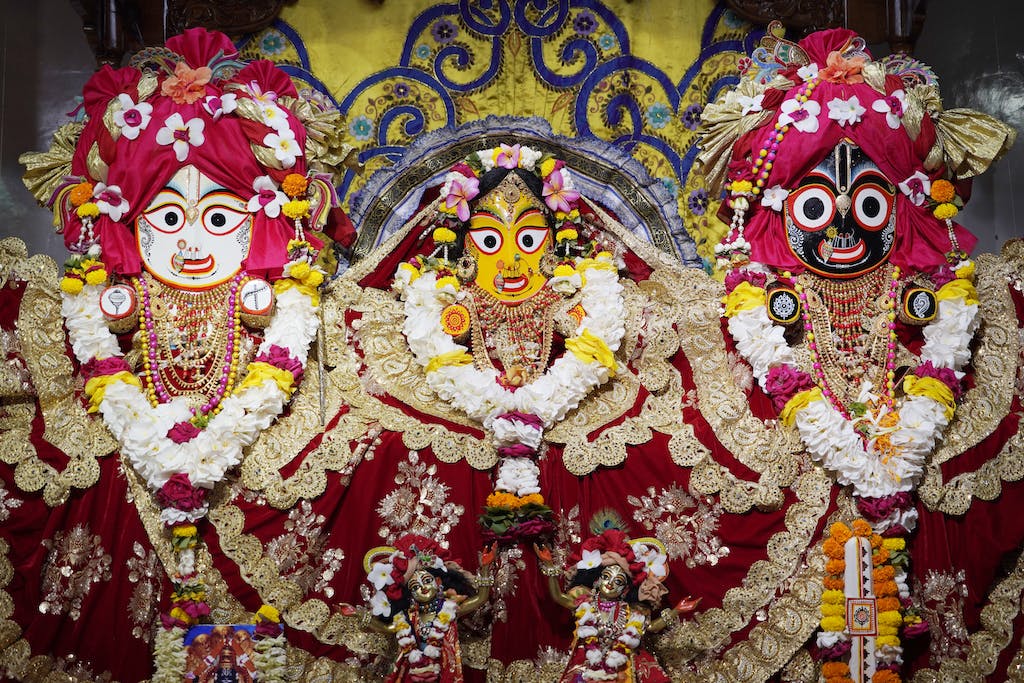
532 498
885 676
876 541
840 532
886 589
888 604
500 499
881 556
186 85
81 193
886 573
834 669
838 69
832 548
832 583
861 527
294 185
835 567
943 191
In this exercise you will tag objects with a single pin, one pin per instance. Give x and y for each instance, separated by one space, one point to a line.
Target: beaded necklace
518 334
837 307
179 353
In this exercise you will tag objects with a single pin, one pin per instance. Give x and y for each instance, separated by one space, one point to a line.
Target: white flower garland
830 438
141 429
407 640
604 664
476 392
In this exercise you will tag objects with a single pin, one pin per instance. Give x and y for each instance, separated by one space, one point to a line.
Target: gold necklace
517 335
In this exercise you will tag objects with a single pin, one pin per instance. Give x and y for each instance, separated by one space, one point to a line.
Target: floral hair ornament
192 103
797 101
388 568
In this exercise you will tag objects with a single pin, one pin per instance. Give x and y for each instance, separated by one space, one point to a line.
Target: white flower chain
476 392
141 429
830 438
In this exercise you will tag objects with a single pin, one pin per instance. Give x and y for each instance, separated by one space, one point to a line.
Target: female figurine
614 587
420 595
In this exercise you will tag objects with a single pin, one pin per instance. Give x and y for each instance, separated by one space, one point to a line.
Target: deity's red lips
510 285
841 254
203 266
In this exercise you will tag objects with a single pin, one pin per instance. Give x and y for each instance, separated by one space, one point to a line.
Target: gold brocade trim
984 407
994 360
67 426
986 644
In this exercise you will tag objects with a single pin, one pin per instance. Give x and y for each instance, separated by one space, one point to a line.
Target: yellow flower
887 630
457 357
88 210
944 211
833 623
532 498
96 387
299 270
267 612
96 275
413 271
564 270
294 185
894 543
743 298
741 186
184 531
447 280
501 499
966 271
890 619
314 279
547 167
571 215
296 208
444 235
934 389
958 289
589 347
833 597
887 640
798 403
181 615
72 284
566 234
833 610
259 372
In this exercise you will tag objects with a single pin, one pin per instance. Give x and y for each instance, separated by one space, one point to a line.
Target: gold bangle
550 570
670 617
485 581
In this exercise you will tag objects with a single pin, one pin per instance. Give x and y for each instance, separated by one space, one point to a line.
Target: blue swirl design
470 34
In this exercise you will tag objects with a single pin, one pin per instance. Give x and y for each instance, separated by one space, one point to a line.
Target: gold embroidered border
67 426
995 635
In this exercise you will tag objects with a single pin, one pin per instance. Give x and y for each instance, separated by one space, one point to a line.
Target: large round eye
812 207
221 220
166 218
872 206
487 240
530 239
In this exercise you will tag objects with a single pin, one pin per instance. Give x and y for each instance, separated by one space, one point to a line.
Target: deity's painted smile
194 234
508 234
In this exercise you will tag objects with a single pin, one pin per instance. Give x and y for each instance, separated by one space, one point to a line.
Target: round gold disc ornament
455 320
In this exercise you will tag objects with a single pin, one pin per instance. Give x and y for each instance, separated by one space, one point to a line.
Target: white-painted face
194 234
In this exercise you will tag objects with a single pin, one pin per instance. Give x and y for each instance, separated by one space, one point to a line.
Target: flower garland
889 561
878 449
606 663
428 658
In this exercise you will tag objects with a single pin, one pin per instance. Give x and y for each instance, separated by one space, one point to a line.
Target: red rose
182 432
178 493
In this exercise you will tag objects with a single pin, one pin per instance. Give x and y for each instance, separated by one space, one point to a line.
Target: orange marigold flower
886 573
833 669
886 589
832 548
294 185
876 541
888 604
186 85
832 583
80 193
943 191
840 532
835 567
535 498
881 556
885 676
502 499
861 527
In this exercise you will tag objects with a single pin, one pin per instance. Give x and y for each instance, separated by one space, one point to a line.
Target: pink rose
942 276
178 493
182 432
916 630
944 375
279 357
268 629
523 418
108 366
784 382
875 509
837 651
516 451
735 277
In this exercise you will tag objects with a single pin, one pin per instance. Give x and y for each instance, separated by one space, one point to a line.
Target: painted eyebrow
529 210
171 187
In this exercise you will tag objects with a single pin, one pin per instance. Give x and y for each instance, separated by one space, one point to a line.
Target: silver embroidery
419 505
685 522
75 560
302 554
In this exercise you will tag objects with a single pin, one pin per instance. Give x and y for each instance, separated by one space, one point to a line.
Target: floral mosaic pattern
301 553
684 521
75 561
419 504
